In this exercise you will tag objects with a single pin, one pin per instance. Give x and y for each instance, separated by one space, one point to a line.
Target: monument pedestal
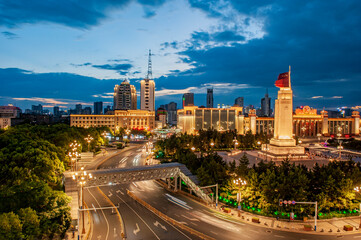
280 153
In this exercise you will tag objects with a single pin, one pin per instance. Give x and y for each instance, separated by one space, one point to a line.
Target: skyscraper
188 99
78 108
210 98
98 108
266 105
125 96
172 113
239 101
147 87
56 111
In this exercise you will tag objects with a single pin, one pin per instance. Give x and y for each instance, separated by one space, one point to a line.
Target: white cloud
42 100
315 97
104 95
335 97
217 88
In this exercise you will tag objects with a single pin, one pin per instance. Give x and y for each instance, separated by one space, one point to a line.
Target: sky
61 53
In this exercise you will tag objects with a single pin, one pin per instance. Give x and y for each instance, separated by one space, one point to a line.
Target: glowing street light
89 139
81 177
193 149
235 143
239 182
74 154
358 189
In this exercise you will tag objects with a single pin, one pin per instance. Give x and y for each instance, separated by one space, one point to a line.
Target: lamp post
239 182
81 177
212 145
319 136
358 189
74 154
193 149
88 139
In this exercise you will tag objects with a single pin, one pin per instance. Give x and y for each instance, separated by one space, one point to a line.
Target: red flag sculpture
283 80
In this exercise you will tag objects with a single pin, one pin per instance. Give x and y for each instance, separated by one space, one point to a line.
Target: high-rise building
188 99
56 111
87 110
147 87
107 109
210 98
266 105
239 101
125 96
98 108
172 113
78 108
37 109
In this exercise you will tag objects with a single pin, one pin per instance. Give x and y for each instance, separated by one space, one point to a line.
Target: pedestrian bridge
150 172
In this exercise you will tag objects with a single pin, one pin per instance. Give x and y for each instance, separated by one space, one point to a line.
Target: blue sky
68 52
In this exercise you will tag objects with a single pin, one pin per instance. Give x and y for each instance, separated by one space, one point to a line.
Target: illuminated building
188 99
125 96
126 119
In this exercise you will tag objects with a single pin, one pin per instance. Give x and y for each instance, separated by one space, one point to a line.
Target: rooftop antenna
149 74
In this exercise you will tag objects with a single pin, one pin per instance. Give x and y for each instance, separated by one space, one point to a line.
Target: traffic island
255 220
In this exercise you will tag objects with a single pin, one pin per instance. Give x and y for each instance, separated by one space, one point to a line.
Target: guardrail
168 219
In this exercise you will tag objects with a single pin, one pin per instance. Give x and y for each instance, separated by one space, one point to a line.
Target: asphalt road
140 223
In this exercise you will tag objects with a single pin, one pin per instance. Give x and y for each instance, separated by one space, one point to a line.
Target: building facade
172 113
126 119
188 99
239 101
98 108
306 122
147 95
210 98
266 106
125 96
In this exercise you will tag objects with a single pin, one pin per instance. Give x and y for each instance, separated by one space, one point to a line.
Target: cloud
81 65
104 95
219 88
10 35
81 14
42 100
336 97
315 97
121 68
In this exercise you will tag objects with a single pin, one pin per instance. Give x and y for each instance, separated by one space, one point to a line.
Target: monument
283 145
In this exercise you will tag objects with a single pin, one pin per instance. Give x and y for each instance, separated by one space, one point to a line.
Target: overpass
142 173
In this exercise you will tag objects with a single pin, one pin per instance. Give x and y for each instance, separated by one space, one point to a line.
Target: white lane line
139 217
357 237
106 220
279 236
253 231
156 215
191 219
214 233
195 224
178 204
176 215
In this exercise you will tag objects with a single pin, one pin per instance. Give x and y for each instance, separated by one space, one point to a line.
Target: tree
10 226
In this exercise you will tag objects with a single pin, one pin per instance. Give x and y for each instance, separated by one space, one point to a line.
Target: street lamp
74 154
212 145
193 149
88 139
239 182
319 136
358 189
81 177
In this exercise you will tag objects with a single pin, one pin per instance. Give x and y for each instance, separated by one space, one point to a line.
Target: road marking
279 236
191 219
194 224
139 217
118 191
162 226
94 208
214 233
184 223
106 220
135 184
176 215
115 232
357 237
137 230
110 194
253 231
99 237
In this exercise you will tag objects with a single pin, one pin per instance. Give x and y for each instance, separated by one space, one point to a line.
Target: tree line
33 204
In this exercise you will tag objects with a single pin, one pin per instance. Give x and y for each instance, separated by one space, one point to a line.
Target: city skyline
233 47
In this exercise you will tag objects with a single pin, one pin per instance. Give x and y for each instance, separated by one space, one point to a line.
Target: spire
266 92
149 74
289 76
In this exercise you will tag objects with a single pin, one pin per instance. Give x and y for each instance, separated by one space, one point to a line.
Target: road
140 223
